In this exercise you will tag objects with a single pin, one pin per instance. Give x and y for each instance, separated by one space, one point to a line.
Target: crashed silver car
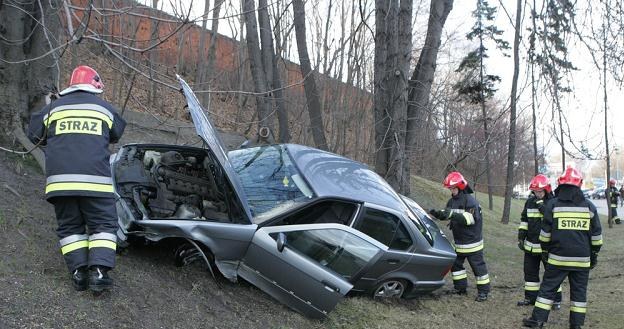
303 225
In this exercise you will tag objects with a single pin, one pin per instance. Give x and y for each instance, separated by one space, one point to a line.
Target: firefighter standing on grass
570 237
612 194
528 239
76 130
464 212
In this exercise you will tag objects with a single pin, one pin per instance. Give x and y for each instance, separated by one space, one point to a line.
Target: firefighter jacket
571 230
466 223
614 195
76 130
531 223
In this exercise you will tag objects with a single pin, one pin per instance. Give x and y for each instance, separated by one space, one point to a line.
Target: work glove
440 214
521 244
434 213
540 205
545 257
593 260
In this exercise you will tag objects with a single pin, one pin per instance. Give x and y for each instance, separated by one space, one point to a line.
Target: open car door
308 267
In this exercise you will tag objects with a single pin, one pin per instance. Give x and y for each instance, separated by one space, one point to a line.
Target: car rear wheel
390 288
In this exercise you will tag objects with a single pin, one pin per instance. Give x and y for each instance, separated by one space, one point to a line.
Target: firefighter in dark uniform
466 223
613 200
571 237
528 239
76 130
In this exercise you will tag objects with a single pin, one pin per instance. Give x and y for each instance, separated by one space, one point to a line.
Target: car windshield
271 182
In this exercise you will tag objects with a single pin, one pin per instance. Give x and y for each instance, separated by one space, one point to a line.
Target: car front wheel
391 288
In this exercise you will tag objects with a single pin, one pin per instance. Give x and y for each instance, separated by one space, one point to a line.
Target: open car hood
207 132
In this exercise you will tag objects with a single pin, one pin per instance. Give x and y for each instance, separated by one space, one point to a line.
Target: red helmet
455 179
571 176
540 182
84 78
612 182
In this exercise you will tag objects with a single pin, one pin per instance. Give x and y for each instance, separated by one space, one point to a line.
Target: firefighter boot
532 323
575 326
481 297
525 302
99 279
80 278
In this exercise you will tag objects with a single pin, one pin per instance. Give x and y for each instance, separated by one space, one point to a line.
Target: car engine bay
164 182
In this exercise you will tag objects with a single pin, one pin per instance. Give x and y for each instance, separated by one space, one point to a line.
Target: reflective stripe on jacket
570 232
467 234
531 223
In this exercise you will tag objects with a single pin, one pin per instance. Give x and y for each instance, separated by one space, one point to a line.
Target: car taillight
445 272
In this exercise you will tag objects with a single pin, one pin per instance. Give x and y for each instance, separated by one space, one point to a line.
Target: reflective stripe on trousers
70 182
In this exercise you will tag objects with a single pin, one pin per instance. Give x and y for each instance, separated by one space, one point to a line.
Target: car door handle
329 286
393 261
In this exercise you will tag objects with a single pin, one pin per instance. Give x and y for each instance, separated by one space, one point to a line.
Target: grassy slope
504 260
151 293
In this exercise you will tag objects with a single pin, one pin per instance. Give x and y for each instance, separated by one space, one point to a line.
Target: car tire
390 288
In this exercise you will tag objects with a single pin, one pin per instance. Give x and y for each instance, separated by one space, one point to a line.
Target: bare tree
29 52
212 49
200 73
265 116
311 91
423 74
393 44
512 116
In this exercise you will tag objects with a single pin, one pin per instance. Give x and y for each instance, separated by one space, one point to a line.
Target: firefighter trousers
614 213
553 276
531 277
87 228
477 263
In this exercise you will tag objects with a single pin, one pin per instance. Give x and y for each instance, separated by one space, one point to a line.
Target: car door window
340 251
385 228
331 211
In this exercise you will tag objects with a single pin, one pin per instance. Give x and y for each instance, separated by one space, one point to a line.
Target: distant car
598 193
303 225
586 192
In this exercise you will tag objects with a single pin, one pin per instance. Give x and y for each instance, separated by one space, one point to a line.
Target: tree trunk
486 132
153 55
23 86
382 117
422 77
512 117
201 55
393 37
276 81
311 91
269 62
533 89
606 107
265 118
212 49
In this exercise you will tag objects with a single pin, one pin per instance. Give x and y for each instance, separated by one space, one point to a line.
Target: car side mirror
281 241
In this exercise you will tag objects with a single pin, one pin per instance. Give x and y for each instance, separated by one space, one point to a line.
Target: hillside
150 292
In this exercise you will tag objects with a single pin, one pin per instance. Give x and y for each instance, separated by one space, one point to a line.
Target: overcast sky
584 106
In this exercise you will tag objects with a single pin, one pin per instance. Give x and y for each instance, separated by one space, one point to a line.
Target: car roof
331 175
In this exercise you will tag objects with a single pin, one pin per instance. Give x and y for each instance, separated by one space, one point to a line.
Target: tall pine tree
476 85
